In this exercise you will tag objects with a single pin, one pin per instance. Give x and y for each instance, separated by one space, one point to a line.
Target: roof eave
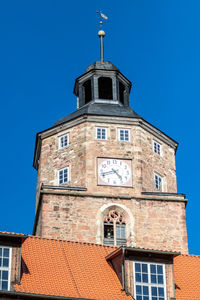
140 250
21 295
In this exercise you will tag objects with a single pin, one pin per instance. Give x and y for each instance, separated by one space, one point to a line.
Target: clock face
115 172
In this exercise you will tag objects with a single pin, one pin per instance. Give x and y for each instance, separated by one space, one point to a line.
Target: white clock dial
116 172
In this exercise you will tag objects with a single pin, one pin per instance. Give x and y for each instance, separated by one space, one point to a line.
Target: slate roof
101 109
102 65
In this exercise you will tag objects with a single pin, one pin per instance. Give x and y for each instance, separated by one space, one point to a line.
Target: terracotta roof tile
187 277
70 269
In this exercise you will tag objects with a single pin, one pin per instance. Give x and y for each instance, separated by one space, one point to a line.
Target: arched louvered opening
105 88
114 229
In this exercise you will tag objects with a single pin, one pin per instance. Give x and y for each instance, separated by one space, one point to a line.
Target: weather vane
101 33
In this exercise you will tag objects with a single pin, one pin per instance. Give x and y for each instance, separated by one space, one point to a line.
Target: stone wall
153 224
84 149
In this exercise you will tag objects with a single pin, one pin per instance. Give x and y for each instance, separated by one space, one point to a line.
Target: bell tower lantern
102 83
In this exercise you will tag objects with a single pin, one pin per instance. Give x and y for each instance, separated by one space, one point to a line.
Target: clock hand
106 173
120 177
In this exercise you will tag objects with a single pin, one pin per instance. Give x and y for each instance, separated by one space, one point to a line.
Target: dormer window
5 267
105 88
149 281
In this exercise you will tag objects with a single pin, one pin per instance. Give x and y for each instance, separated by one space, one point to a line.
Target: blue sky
45 45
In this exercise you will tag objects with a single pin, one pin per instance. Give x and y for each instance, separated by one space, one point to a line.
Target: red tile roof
70 269
80 270
187 277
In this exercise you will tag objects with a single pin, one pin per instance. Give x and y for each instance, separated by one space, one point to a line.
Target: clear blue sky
45 45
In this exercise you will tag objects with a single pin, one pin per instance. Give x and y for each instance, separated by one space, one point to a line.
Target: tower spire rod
101 34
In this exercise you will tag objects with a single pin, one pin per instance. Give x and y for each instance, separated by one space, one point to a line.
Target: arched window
114 229
105 88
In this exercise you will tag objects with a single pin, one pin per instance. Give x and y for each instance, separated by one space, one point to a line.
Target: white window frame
63 136
63 177
157 146
99 127
123 129
149 284
7 268
161 185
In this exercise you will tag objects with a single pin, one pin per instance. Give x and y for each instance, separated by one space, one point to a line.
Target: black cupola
102 83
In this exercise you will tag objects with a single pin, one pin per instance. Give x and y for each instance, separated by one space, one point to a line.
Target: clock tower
105 175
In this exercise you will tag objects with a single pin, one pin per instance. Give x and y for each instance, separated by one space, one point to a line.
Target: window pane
120 231
137 267
6 252
144 278
138 297
159 269
153 279
161 292
145 290
153 269
154 291
144 268
146 298
0 251
138 277
5 262
4 285
138 290
108 231
5 275
160 279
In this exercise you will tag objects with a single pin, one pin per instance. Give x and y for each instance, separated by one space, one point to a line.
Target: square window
101 133
63 175
5 267
64 141
157 147
158 182
154 287
124 135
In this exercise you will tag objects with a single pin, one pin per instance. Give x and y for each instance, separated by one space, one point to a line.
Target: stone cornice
167 198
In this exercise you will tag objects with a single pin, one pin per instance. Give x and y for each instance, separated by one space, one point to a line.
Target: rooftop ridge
54 239
190 255
87 243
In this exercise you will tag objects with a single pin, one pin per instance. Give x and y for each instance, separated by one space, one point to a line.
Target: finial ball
101 33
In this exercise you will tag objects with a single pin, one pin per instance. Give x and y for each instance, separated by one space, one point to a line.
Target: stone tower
107 176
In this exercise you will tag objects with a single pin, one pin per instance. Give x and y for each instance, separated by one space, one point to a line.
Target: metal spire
101 33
